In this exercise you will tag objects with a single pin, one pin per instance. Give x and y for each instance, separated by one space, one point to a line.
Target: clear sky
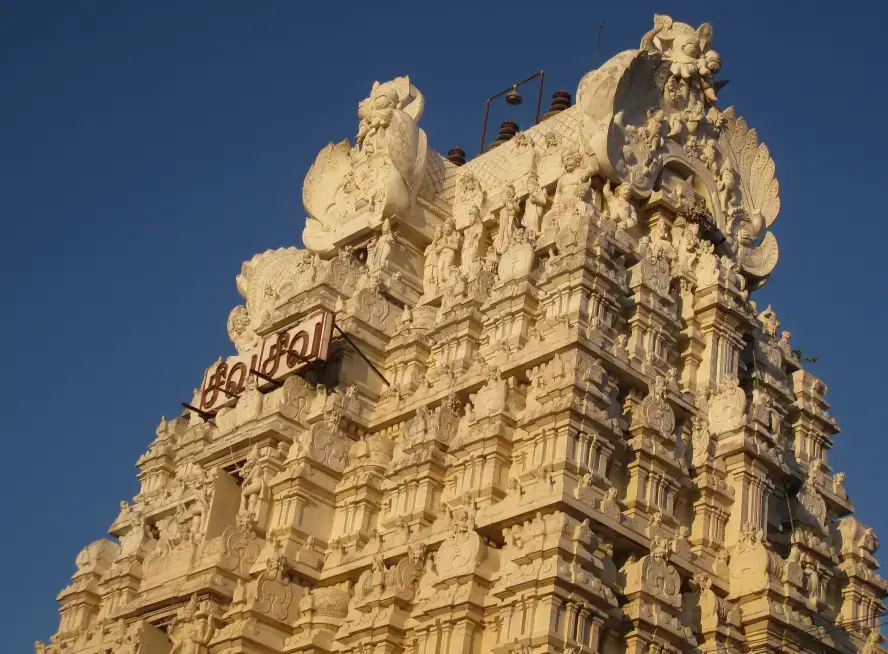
148 148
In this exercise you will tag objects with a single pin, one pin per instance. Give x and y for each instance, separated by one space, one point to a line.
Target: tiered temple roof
525 404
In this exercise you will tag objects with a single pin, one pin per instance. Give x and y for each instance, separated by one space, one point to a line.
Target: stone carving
460 553
254 487
812 507
570 193
445 252
610 505
377 178
655 576
619 207
326 444
482 397
240 331
534 208
508 215
379 253
430 279
701 442
470 200
755 248
656 413
727 408
714 611
195 631
472 253
274 591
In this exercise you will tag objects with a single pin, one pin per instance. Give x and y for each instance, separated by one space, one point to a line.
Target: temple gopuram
521 404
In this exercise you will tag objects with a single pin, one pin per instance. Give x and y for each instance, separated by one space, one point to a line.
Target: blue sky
150 148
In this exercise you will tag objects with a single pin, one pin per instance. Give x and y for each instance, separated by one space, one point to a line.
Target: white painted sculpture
558 424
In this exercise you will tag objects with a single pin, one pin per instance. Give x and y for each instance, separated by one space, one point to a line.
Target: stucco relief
553 416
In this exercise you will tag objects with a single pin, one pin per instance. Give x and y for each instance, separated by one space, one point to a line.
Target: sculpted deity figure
473 244
653 129
377 178
619 208
446 250
725 186
784 345
661 241
375 114
193 635
344 197
700 442
469 196
687 250
707 155
239 330
770 324
249 405
138 536
253 486
507 219
381 250
688 52
571 190
838 484
430 269
534 207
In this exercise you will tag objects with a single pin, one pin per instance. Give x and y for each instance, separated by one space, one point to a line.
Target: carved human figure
838 484
653 129
700 443
430 269
446 250
249 405
473 244
725 186
194 632
469 197
681 544
571 190
344 197
687 250
507 219
253 486
707 155
239 330
816 586
619 207
379 253
375 114
661 239
768 319
534 207
137 537
784 345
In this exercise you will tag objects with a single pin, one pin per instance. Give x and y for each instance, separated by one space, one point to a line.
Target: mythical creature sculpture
378 177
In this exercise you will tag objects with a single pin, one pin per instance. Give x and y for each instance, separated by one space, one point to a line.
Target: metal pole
503 92
270 380
203 414
540 96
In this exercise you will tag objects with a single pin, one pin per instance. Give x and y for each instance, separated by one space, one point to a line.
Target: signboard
276 357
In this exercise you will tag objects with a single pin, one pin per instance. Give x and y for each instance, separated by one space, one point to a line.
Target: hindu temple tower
525 403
